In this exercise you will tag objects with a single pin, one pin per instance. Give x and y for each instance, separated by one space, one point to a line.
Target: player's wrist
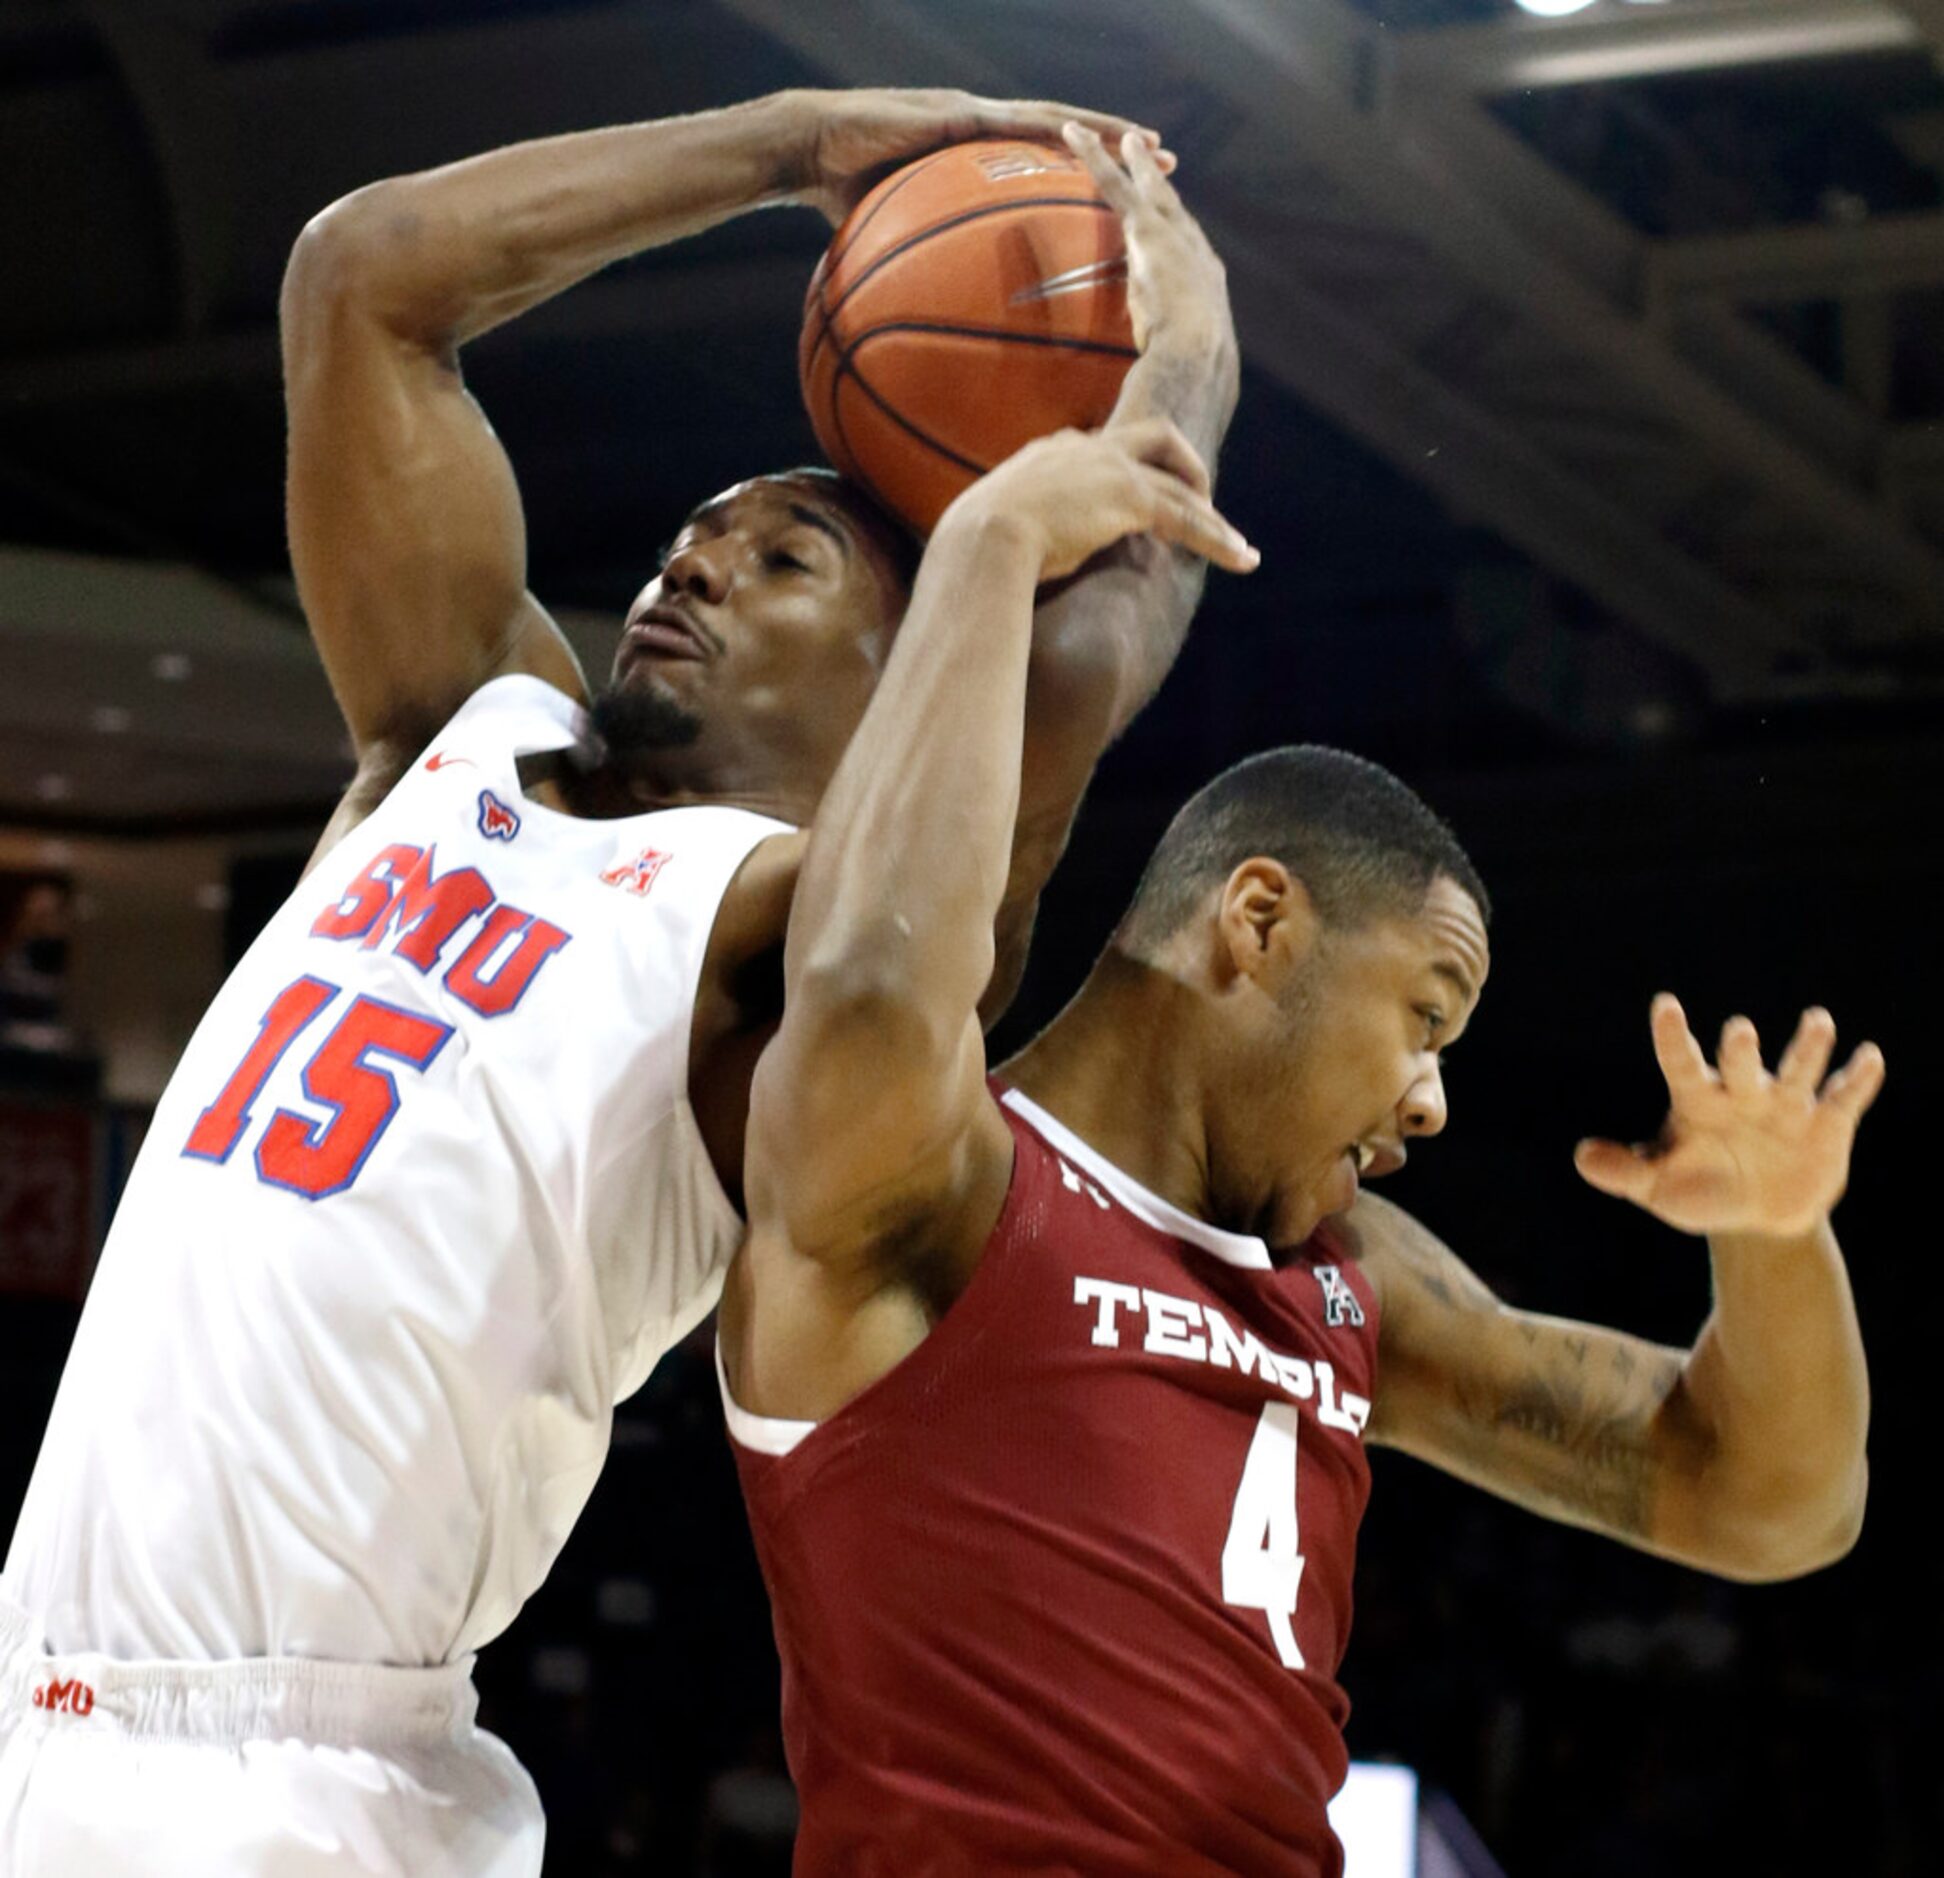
793 124
1195 330
995 534
1772 1238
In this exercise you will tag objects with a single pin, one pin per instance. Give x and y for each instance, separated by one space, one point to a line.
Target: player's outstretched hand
854 137
1077 492
1743 1151
1175 279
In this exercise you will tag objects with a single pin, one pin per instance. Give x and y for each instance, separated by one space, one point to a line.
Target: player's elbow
1086 659
1793 1529
357 254
337 243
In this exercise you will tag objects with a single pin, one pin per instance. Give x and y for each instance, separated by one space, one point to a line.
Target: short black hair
1362 843
900 546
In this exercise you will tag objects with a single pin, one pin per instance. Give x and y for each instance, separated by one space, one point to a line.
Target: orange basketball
974 300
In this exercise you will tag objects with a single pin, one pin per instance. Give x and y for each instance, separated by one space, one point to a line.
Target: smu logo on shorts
68 1698
1340 1304
496 821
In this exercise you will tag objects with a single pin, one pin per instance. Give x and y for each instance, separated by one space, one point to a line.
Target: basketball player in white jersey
451 1160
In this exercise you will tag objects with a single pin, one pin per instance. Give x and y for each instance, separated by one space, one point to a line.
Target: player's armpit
406 532
1576 1422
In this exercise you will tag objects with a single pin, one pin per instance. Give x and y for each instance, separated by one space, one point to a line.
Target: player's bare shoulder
1406 1263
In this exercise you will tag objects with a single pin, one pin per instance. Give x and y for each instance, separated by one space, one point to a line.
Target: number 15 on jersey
316 1158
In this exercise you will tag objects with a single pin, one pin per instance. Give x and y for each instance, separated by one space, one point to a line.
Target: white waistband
250 1699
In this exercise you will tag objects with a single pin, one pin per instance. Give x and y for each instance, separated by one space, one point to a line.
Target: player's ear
1267 921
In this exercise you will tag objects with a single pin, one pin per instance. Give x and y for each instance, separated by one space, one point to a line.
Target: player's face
769 620
1369 1023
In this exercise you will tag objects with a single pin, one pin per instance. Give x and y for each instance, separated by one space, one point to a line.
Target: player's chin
641 668
639 712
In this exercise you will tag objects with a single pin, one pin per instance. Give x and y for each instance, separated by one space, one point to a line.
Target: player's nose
1423 1110
699 571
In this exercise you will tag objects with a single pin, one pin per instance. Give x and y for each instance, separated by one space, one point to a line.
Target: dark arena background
1592 429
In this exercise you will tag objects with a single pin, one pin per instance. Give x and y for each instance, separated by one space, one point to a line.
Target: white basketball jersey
423 1200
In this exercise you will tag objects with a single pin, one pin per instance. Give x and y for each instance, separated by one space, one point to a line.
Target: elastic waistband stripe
251 1699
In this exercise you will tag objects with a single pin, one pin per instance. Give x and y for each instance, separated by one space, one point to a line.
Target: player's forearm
1143 596
446 254
1779 1379
1189 374
1103 643
910 853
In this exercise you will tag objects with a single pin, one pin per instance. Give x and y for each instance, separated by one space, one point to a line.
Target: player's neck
1121 1067
607 790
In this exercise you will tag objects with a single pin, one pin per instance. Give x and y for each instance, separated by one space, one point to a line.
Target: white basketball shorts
257 1769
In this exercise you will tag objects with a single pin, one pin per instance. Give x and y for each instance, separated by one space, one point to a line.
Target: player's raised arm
1103 643
867 1105
405 523
1743 1455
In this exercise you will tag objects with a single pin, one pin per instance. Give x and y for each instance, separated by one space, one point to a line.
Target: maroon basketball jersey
1067 1590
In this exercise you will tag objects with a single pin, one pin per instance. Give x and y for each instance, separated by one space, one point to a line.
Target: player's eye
1433 1022
782 560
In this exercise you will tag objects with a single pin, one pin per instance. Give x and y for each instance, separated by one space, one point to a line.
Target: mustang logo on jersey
1199 1333
496 821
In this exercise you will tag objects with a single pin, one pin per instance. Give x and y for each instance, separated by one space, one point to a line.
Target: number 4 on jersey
1261 1568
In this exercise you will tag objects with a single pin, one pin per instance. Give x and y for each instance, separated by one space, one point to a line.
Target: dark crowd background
1592 1711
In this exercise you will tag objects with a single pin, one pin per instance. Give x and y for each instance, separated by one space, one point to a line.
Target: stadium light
1558 9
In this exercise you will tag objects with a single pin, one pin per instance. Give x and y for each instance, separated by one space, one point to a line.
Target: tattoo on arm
1455 1287
1572 1444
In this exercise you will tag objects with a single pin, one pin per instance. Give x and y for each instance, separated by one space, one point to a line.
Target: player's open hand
1175 280
852 138
1743 1151
1077 492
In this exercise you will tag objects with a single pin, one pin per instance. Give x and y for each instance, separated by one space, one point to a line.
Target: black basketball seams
836 256
848 368
999 334
827 311
833 257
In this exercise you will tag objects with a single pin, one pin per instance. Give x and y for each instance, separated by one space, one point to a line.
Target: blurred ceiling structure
1649 297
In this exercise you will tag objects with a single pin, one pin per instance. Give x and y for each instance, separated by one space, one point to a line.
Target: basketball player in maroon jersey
1050 1394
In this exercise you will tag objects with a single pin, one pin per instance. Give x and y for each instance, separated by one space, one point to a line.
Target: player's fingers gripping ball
974 300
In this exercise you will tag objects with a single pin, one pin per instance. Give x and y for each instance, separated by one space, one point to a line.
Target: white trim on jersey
760 1434
1233 1248
767 1434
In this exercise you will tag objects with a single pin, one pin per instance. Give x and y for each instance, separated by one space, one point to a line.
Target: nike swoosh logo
439 760
1074 280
